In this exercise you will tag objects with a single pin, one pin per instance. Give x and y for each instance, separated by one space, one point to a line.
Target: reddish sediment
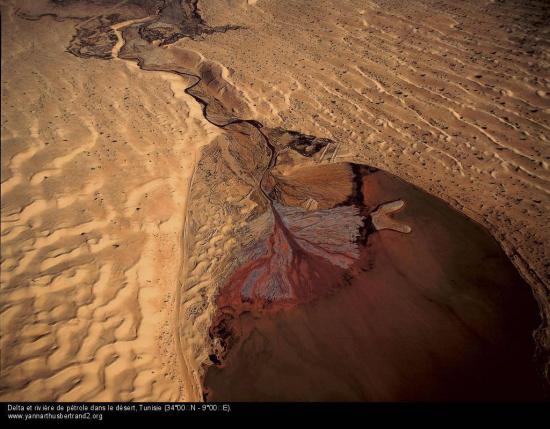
439 314
306 255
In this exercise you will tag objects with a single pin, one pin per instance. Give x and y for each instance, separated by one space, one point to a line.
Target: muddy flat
436 314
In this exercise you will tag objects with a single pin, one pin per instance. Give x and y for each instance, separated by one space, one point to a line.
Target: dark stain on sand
439 314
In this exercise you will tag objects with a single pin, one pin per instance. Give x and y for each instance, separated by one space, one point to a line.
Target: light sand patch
381 218
96 162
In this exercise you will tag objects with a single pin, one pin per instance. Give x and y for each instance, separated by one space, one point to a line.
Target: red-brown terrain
438 314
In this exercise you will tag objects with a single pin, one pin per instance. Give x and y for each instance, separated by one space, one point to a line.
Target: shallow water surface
437 314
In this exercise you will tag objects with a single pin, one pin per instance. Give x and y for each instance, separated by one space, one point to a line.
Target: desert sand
165 164
96 166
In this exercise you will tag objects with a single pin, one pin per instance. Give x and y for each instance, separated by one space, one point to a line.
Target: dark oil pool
439 314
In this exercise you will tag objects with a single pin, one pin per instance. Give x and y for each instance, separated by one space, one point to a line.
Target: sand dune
96 164
147 163
456 91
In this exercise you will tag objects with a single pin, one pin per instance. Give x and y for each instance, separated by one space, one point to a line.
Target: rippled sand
106 165
97 158
451 96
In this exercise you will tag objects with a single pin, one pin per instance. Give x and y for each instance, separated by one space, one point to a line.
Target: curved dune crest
96 161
